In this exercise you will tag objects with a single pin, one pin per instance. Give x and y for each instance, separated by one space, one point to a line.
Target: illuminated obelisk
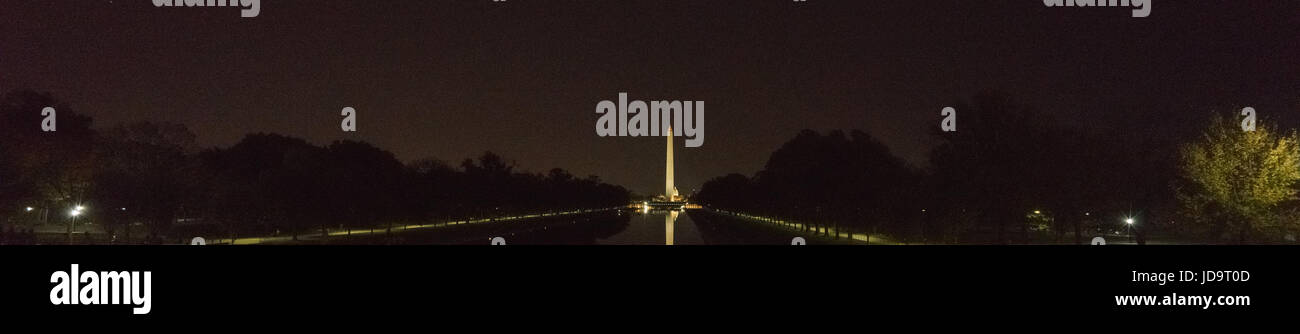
668 177
669 191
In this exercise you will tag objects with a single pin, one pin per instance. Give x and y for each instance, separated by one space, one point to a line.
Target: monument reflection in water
643 229
669 219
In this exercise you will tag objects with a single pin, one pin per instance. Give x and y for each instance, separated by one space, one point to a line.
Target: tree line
153 175
1010 174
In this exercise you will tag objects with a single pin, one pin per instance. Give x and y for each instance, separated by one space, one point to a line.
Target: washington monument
670 192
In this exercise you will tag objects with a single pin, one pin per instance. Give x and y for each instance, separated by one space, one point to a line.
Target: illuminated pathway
825 232
395 228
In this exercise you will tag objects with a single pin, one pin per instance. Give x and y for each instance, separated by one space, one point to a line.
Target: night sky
451 79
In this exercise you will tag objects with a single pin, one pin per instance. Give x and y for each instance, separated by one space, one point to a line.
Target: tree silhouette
833 182
144 174
52 170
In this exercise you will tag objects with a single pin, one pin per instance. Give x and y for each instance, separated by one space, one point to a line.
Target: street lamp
76 211
1129 223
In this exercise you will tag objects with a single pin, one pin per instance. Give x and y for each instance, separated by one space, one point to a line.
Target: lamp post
31 220
1129 222
76 211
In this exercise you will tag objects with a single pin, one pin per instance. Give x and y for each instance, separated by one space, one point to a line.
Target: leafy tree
1234 182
